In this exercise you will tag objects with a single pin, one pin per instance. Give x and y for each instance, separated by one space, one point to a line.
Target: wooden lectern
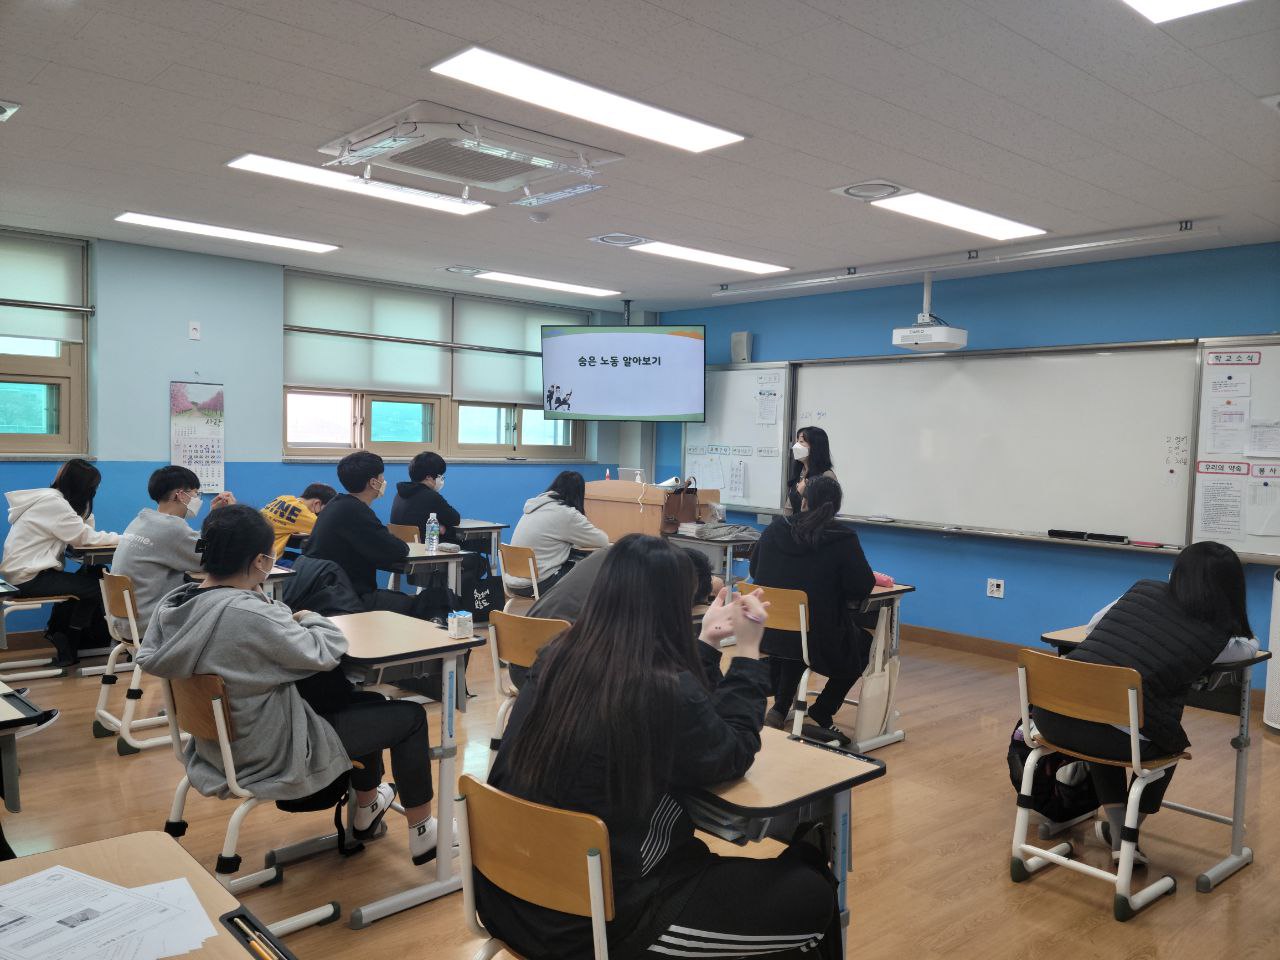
619 507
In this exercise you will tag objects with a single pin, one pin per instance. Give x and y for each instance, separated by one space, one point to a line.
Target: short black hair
319 491
702 571
232 538
426 465
168 479
355 470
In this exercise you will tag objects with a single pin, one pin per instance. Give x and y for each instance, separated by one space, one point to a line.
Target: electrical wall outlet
193 329
995 588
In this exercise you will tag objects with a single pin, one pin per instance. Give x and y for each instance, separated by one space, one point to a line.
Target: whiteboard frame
786 419
1197 345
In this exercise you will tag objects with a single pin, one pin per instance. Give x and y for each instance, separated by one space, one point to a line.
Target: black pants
370 725
81 620
1104 740
784 907
786 682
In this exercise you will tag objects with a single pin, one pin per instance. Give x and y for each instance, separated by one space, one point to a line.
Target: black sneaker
827 733
775 719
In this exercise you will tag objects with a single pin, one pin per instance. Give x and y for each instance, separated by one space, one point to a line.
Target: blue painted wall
1224 292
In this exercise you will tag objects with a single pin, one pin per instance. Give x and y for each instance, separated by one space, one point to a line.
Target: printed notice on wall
1229 383
1264 439
1263 518
196 432
737 485
1228 425
1220 506
766 407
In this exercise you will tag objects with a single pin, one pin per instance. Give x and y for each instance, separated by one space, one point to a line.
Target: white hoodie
42 525
551 530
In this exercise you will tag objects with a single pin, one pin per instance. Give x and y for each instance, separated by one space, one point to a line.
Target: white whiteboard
741 449
1237 483
1095 440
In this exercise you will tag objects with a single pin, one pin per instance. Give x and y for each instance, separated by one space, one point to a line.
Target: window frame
493 450
398 448
576 449
315 451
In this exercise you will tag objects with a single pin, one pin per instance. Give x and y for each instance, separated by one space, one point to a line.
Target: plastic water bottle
433 533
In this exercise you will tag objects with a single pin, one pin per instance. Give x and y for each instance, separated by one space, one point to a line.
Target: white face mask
270 565
439 484
193 505
800 451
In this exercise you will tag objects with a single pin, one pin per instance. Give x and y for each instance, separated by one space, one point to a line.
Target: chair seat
1150 763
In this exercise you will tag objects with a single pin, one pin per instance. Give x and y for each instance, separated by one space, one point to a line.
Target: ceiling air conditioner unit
432 140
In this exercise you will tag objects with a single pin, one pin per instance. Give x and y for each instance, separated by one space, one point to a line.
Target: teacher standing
810 457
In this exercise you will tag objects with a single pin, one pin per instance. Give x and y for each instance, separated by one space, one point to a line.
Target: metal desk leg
1241 855
728 567
446 881
455 576
495 538
9 763
841 858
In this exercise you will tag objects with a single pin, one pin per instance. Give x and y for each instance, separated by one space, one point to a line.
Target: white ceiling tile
617 21
18 68
1222 112
478 21
339 19
1113 171
904 22
756 22
1228 23
1252 61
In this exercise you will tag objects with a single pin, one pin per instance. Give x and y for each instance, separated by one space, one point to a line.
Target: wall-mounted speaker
740 347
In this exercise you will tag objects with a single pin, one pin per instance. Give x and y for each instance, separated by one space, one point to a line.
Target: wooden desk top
1074 636
725 542
788 773
380 636
418 554
888 593
472 525
138 859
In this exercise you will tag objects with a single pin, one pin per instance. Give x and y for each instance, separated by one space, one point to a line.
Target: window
511 431
537 431
401 421
42 367
334 423
320 421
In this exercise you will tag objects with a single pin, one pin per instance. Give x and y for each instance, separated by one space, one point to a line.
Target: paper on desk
173 940
62 914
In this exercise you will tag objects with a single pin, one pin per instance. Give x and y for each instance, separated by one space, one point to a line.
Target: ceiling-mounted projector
930 333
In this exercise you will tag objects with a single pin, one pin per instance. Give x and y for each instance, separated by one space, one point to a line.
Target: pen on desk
255 941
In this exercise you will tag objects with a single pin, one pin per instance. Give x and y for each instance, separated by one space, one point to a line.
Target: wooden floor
930 843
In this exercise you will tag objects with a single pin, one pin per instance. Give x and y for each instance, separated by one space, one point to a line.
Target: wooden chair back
535 853
404 531
519 639
788 609
117 596
193 705
1086 691
518 562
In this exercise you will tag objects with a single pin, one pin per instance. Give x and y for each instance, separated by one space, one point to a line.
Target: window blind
497 377
43 270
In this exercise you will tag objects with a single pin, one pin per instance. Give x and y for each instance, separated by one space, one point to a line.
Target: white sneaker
422 840
1139 858
368 816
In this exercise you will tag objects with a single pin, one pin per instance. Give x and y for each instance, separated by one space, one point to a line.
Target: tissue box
461 625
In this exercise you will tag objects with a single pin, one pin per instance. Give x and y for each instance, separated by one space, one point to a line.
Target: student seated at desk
291 516
813 552
262 650
158 548
553 524
418 499
42 524
618 716
1170 633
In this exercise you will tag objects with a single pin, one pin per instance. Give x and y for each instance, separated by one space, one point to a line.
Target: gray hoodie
551 529
156 552
282 750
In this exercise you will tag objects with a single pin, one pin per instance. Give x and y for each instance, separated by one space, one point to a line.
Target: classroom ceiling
1077 116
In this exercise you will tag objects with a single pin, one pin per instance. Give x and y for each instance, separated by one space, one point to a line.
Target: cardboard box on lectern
619 507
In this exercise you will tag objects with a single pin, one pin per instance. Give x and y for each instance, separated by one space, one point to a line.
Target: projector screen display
624 373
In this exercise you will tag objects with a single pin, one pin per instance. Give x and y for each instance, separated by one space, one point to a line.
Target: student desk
16 714
139 859
384 639
726 545
791 781
272 586
483 530
420 559
1224 688
91 556
876 723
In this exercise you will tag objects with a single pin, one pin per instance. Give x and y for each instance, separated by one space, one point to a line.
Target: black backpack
1059 791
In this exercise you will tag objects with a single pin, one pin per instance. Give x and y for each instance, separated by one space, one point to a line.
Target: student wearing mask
554 523
1170 632
619 717
813 552
291 516
42 524
261 649
418 499
158 548
810 457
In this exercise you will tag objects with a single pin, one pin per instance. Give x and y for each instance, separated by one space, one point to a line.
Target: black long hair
77 481
819 461
231 538
1207 582
570 489
608 686
822 497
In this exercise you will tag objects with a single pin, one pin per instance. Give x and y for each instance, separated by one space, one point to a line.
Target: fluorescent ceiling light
1160 11
546 284
322 177
924 207
707 257
492 71
225 233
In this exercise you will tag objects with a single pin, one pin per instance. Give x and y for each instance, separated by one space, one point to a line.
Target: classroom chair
519 562
515 640
536 853
789 610
40 669
117 599
409 534
1099 694
198 706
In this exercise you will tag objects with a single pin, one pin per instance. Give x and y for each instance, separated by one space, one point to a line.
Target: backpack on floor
1061 789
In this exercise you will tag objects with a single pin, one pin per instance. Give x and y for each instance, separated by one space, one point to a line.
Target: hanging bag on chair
680 506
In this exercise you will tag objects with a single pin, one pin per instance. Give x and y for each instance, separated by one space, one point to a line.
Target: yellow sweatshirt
288 516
